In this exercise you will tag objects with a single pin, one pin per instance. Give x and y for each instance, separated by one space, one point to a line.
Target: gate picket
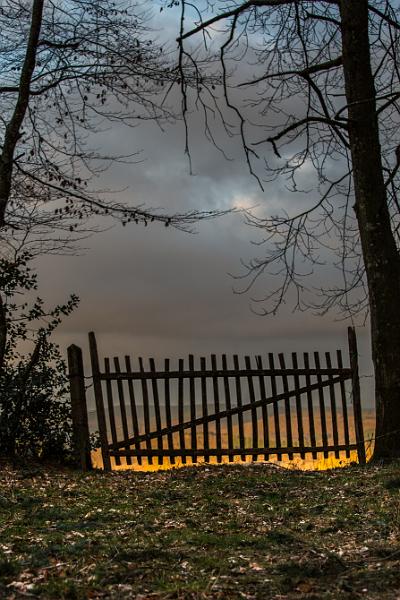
156 408
181 416
254 420
121 398
344 405
216 406
168 417
264 408
146 410
299 411
278 442
239 401
288 415
192 399
135 422
332 396
206 440
228 406
311 423
321 405
110 406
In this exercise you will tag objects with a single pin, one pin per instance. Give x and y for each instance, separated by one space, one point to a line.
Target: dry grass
209 532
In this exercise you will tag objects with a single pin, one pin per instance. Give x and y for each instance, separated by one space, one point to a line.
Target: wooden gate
228 408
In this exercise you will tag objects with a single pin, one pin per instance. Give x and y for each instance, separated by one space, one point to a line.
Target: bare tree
69 70
312 90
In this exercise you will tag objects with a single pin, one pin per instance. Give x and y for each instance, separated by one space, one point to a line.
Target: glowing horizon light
308 464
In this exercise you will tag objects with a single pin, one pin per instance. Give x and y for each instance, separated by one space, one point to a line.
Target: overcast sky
158 292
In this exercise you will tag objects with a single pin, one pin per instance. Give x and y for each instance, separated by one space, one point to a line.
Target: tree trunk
3 332
13 128
381 257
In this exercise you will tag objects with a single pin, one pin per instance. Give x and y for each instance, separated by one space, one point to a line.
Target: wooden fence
264 407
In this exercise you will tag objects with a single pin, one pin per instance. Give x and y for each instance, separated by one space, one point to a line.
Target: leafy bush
35 412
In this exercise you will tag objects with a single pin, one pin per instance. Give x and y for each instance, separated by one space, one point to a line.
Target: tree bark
13 129
3 332
381 257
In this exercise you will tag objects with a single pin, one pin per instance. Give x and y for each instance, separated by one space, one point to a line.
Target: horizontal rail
343 373
234 451
225 413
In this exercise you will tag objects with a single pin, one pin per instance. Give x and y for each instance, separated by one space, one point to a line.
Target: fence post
353 354
98 394
80 426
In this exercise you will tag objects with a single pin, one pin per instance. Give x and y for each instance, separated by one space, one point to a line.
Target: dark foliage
34 403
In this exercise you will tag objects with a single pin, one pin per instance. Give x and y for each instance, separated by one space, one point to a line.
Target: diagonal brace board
232 411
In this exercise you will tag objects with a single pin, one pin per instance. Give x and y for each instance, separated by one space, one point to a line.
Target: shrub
35 412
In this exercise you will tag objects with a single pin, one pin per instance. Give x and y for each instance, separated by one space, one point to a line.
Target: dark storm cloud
158 292
163 292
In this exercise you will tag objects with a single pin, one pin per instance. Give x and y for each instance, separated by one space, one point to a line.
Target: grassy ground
207 532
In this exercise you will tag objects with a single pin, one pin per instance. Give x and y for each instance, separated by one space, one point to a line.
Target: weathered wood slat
157 411
332 396
111 412
288 415
146 413
181 411
192 399
358 423
121 398
311 422
237 451
168 416
79 413
346 373
321 402
216 405
239 404
233 411
98 394
264 407
254 420
344 405
228 405
278 443
299 412
132 400
204 405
